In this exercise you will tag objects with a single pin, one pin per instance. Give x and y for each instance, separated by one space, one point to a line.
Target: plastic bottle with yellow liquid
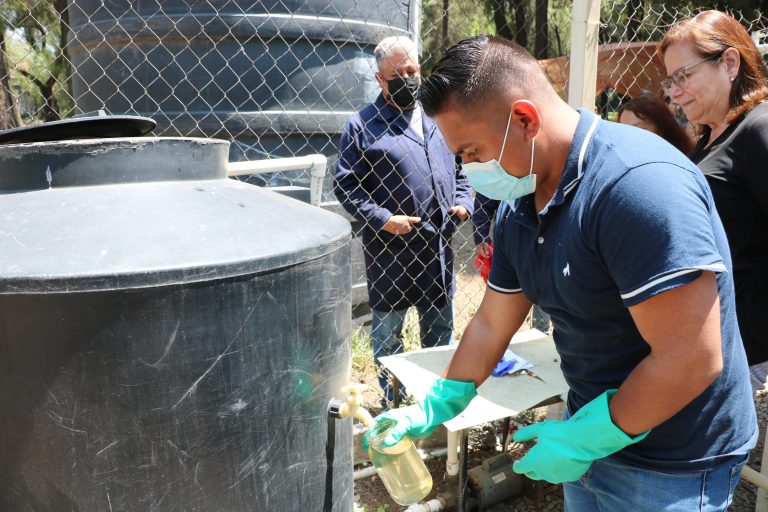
400 466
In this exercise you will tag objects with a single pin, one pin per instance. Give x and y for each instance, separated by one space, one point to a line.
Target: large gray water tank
170 338
277 77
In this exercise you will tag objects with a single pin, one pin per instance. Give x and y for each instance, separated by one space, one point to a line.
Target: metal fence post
582 82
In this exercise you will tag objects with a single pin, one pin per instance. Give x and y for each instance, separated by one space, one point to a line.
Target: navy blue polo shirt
631 218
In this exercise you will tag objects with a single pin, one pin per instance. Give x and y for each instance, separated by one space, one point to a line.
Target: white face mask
491 180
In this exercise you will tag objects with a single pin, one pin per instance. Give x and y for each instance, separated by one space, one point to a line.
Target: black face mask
403 91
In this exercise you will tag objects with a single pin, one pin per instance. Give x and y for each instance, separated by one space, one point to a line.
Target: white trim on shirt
503 290
714 268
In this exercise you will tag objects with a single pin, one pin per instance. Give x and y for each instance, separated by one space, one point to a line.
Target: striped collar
577 159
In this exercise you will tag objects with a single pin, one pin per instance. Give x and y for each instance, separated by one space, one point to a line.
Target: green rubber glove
444 401
566 449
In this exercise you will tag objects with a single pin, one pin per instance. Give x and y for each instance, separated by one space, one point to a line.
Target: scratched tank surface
170 338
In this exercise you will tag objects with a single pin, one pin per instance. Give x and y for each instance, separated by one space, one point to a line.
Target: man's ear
526 116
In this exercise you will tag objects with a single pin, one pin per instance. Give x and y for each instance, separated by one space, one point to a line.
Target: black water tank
170 338
278 78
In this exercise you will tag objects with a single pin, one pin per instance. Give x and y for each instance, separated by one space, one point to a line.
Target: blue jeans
435 326
611 485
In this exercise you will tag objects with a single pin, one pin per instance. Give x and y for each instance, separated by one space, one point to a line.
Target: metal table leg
464 440
505 434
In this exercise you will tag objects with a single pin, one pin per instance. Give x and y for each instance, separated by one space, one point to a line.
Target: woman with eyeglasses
717 76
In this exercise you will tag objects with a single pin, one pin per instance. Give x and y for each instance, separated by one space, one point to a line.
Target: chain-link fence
281 78
630 30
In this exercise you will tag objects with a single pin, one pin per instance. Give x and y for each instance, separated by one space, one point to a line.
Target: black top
91 127
145 212
736 167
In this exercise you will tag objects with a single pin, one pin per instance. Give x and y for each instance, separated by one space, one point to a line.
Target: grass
362 352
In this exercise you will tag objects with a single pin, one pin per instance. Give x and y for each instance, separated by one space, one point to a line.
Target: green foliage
362 353
643 20
464 18
411 336
35 33
445 22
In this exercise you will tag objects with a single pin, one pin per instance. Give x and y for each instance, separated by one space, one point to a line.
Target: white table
498 397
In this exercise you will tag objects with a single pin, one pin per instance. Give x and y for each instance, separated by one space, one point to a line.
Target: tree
499 10
521 22
43 66
635 14
541 42
10 116
648 20
445 22
512 20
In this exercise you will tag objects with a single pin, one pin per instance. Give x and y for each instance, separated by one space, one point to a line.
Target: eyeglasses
680 76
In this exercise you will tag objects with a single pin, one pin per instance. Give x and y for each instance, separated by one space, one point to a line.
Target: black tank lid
122 213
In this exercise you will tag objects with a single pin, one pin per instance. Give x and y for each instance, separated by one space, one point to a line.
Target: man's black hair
475 68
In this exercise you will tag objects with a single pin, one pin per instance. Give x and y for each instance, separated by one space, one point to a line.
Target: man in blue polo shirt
614 233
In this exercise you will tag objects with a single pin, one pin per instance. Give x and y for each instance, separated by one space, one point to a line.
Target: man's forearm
487 336
476 355
682 327
658 388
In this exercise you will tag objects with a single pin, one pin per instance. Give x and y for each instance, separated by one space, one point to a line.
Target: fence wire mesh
629 33
281 77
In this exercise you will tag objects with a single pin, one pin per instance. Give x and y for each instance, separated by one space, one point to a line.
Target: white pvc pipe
316 176
434 505
755 478
432 453
425 455
275 165
414 24
452 461
316 164
364 473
